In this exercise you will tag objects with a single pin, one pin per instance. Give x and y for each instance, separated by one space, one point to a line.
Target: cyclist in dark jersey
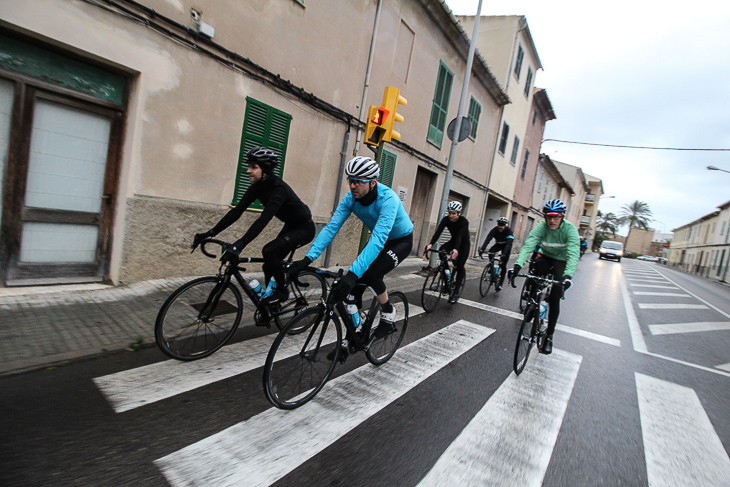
279 201
458 245
503 239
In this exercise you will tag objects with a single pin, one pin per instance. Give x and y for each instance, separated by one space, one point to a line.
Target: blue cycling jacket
385 217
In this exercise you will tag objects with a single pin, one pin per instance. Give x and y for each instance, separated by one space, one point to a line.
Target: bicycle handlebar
442 252
223 246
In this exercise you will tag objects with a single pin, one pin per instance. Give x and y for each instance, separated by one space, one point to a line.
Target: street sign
465 129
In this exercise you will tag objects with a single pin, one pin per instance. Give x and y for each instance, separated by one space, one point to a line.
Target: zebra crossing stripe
671 306
133 388
681 447
510 441
263 449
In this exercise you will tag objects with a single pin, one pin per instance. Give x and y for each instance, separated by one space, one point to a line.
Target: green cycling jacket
560 244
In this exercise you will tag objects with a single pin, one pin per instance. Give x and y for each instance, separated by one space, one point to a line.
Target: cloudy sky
638 73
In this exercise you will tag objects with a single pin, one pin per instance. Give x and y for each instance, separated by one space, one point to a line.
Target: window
534 116
539 184
475 110
515 150
530 224
528 81
440 105
518 62
265 126
503 140
513 222
524 164
387 168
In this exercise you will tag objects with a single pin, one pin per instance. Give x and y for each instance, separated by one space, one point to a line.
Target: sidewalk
46 326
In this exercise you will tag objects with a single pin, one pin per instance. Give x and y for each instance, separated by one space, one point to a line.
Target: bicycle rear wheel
198 318
306 290
432 290
297 366
485 282
382 349
525 340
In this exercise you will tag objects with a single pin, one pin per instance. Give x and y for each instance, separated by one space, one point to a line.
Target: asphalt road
636 391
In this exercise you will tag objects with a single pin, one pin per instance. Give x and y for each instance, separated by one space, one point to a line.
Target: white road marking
650 293
724 367
726 315
263 449
637 338
133 388
671 306
680 444
689 327
653 285
510 441
564 328
647 279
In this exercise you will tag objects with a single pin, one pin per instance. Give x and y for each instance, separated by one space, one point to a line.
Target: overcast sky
639 73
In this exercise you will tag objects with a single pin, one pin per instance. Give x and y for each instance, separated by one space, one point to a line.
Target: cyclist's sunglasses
553 216
358 182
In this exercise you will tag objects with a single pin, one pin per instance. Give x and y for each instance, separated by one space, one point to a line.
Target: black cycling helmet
502 221
265 158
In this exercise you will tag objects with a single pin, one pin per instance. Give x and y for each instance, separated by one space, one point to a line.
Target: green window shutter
387 168
475 111
440 107
264 126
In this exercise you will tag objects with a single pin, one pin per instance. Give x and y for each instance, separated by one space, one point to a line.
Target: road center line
265 448
506 443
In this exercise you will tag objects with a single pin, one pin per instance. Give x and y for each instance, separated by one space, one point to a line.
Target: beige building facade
172 110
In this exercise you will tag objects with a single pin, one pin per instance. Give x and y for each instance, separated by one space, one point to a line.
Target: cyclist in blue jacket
380 209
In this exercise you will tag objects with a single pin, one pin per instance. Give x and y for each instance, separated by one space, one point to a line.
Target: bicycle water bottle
448 274
353 312
256 286
543 311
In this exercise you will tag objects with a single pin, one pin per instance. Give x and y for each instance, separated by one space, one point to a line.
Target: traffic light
375 130
391 100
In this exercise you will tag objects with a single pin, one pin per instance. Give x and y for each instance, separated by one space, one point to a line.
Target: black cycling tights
545 265
460 261
393 253
275 252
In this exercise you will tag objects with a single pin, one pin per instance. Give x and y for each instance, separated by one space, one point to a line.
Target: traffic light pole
378 150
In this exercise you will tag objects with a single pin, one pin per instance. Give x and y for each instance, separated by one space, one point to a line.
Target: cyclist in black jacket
279 201
503 239
458 245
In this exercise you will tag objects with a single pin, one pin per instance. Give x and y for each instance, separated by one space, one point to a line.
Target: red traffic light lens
380 115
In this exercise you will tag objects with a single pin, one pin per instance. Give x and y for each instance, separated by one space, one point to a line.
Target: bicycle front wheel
381 349
198 318
525 295
306 290
297 366
525 340
433 289
485 282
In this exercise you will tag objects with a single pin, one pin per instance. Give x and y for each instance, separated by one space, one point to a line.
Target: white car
611 250
648 258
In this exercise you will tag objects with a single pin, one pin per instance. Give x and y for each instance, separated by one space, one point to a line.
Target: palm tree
607 223
635 215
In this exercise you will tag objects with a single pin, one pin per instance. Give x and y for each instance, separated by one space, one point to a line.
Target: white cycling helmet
362 168
454 206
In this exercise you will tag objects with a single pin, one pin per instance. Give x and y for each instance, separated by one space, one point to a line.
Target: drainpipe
367 76
338 192
499 128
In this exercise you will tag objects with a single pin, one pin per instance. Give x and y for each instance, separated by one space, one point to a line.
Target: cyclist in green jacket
559 244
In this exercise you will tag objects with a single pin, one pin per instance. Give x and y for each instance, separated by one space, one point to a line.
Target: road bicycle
440 282
533 328
203 314
490 274
299 364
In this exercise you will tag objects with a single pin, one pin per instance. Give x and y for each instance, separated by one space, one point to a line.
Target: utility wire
632 146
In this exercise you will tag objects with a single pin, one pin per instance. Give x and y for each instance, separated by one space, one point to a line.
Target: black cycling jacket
279 201
459 231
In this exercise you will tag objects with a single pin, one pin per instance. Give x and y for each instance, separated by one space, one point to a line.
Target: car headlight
602 251
619 254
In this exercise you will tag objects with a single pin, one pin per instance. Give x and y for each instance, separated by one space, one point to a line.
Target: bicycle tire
485 282
382 349
525 340
179 331
296 366
524 295
312 292
433 289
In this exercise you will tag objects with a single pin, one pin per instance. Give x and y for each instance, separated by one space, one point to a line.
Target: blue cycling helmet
554 207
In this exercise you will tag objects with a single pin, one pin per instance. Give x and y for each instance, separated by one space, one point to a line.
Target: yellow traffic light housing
391 100
375 130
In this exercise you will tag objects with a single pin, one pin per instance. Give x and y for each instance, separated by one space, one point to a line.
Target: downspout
343 161
367 76
499 129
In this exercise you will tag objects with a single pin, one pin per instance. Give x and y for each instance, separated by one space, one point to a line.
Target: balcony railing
585 220
590 198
